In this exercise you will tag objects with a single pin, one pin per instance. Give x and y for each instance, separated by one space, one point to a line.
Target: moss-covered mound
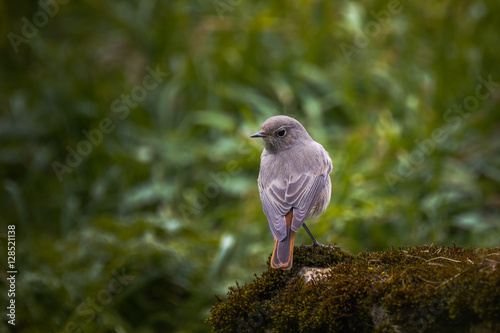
415 289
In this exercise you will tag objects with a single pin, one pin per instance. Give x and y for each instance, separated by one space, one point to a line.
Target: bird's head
281 133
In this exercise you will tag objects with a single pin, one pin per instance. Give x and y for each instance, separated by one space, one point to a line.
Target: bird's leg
315 242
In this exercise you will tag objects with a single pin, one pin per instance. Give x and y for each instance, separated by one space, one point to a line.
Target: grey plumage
294 176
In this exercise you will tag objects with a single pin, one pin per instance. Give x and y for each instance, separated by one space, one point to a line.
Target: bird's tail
283 250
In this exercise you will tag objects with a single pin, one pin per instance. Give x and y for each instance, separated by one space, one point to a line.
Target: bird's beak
258 135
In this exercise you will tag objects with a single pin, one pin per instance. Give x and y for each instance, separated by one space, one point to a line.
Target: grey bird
294 183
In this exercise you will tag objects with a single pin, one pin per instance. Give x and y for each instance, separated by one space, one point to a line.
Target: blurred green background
160 209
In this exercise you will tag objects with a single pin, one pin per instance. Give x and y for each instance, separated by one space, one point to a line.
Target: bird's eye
281 133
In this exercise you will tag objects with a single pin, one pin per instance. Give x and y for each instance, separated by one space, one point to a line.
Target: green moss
415 289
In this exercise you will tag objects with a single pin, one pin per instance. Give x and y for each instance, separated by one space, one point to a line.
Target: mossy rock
414 289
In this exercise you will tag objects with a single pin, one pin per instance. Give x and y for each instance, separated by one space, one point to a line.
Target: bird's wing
275 207
300 192
304 193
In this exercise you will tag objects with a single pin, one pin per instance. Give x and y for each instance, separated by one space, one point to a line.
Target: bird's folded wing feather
275 207
300 193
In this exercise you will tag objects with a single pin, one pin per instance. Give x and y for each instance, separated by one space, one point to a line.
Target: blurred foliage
169 193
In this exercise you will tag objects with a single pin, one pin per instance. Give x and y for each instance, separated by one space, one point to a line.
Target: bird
294 183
